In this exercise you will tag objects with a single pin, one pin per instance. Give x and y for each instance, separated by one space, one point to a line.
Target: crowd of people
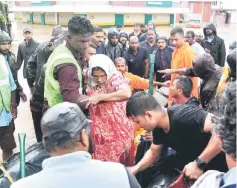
91 110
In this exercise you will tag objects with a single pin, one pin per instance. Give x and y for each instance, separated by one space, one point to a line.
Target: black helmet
123 34
4 37
112 32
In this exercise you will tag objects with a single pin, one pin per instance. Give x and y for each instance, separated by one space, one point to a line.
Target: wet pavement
41 33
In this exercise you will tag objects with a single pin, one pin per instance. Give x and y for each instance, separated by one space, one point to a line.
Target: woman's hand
93 100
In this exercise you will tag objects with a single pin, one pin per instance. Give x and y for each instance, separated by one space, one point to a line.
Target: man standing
63 76
98 39
8 107
113 48
150 43
137 58
137 31
66 137
197 48
163 58
214 45
150 25
26 49
182 57
143 28
185 128
123 39
5 45
181 90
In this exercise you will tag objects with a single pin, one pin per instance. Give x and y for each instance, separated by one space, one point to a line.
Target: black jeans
36 116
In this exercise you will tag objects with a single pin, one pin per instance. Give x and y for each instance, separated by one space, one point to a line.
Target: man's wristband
201 164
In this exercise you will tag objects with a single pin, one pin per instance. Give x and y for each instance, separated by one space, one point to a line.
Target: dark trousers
36 116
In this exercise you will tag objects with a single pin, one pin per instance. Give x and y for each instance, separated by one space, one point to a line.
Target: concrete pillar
42 17
56 18
31 18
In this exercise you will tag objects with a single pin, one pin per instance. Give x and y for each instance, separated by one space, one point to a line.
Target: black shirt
150 49
133 34
186 135
136 63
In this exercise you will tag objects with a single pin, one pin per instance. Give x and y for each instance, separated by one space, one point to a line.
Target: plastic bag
35 155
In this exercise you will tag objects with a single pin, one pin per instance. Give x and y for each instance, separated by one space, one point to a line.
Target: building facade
109 13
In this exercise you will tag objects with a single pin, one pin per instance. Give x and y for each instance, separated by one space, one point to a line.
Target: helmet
112 32
4 37
123 34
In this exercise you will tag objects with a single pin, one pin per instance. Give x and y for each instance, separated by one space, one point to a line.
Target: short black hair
151 29
190 33
177 30
140 102
186 84
119 26
142 25
97 29
224 121
79 25
60 139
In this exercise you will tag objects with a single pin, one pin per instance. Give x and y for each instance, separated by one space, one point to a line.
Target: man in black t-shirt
184 128
137 58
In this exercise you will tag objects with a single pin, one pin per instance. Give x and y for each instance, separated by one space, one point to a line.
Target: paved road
24 122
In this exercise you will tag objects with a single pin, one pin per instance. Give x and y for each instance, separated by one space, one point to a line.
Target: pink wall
23 3
197 9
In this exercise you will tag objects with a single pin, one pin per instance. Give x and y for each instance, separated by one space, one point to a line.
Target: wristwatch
201 164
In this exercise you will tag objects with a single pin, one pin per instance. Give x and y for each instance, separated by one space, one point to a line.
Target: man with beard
11 59
163 58
66 137
123 39
150 43
8 106
98 39
199 37
137 58
143 28
137 31
113 48
214 45
197 48
63 76
150 25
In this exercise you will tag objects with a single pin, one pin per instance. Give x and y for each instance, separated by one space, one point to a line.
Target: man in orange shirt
135 82
182 57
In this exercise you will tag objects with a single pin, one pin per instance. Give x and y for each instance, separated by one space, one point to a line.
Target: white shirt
198 49
76 170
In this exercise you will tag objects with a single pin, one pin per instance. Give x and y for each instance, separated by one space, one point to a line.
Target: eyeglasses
99 77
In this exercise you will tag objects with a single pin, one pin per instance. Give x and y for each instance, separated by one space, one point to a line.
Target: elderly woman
112 132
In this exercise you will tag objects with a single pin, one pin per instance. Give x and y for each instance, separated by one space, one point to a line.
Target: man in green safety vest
8 106
63 76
